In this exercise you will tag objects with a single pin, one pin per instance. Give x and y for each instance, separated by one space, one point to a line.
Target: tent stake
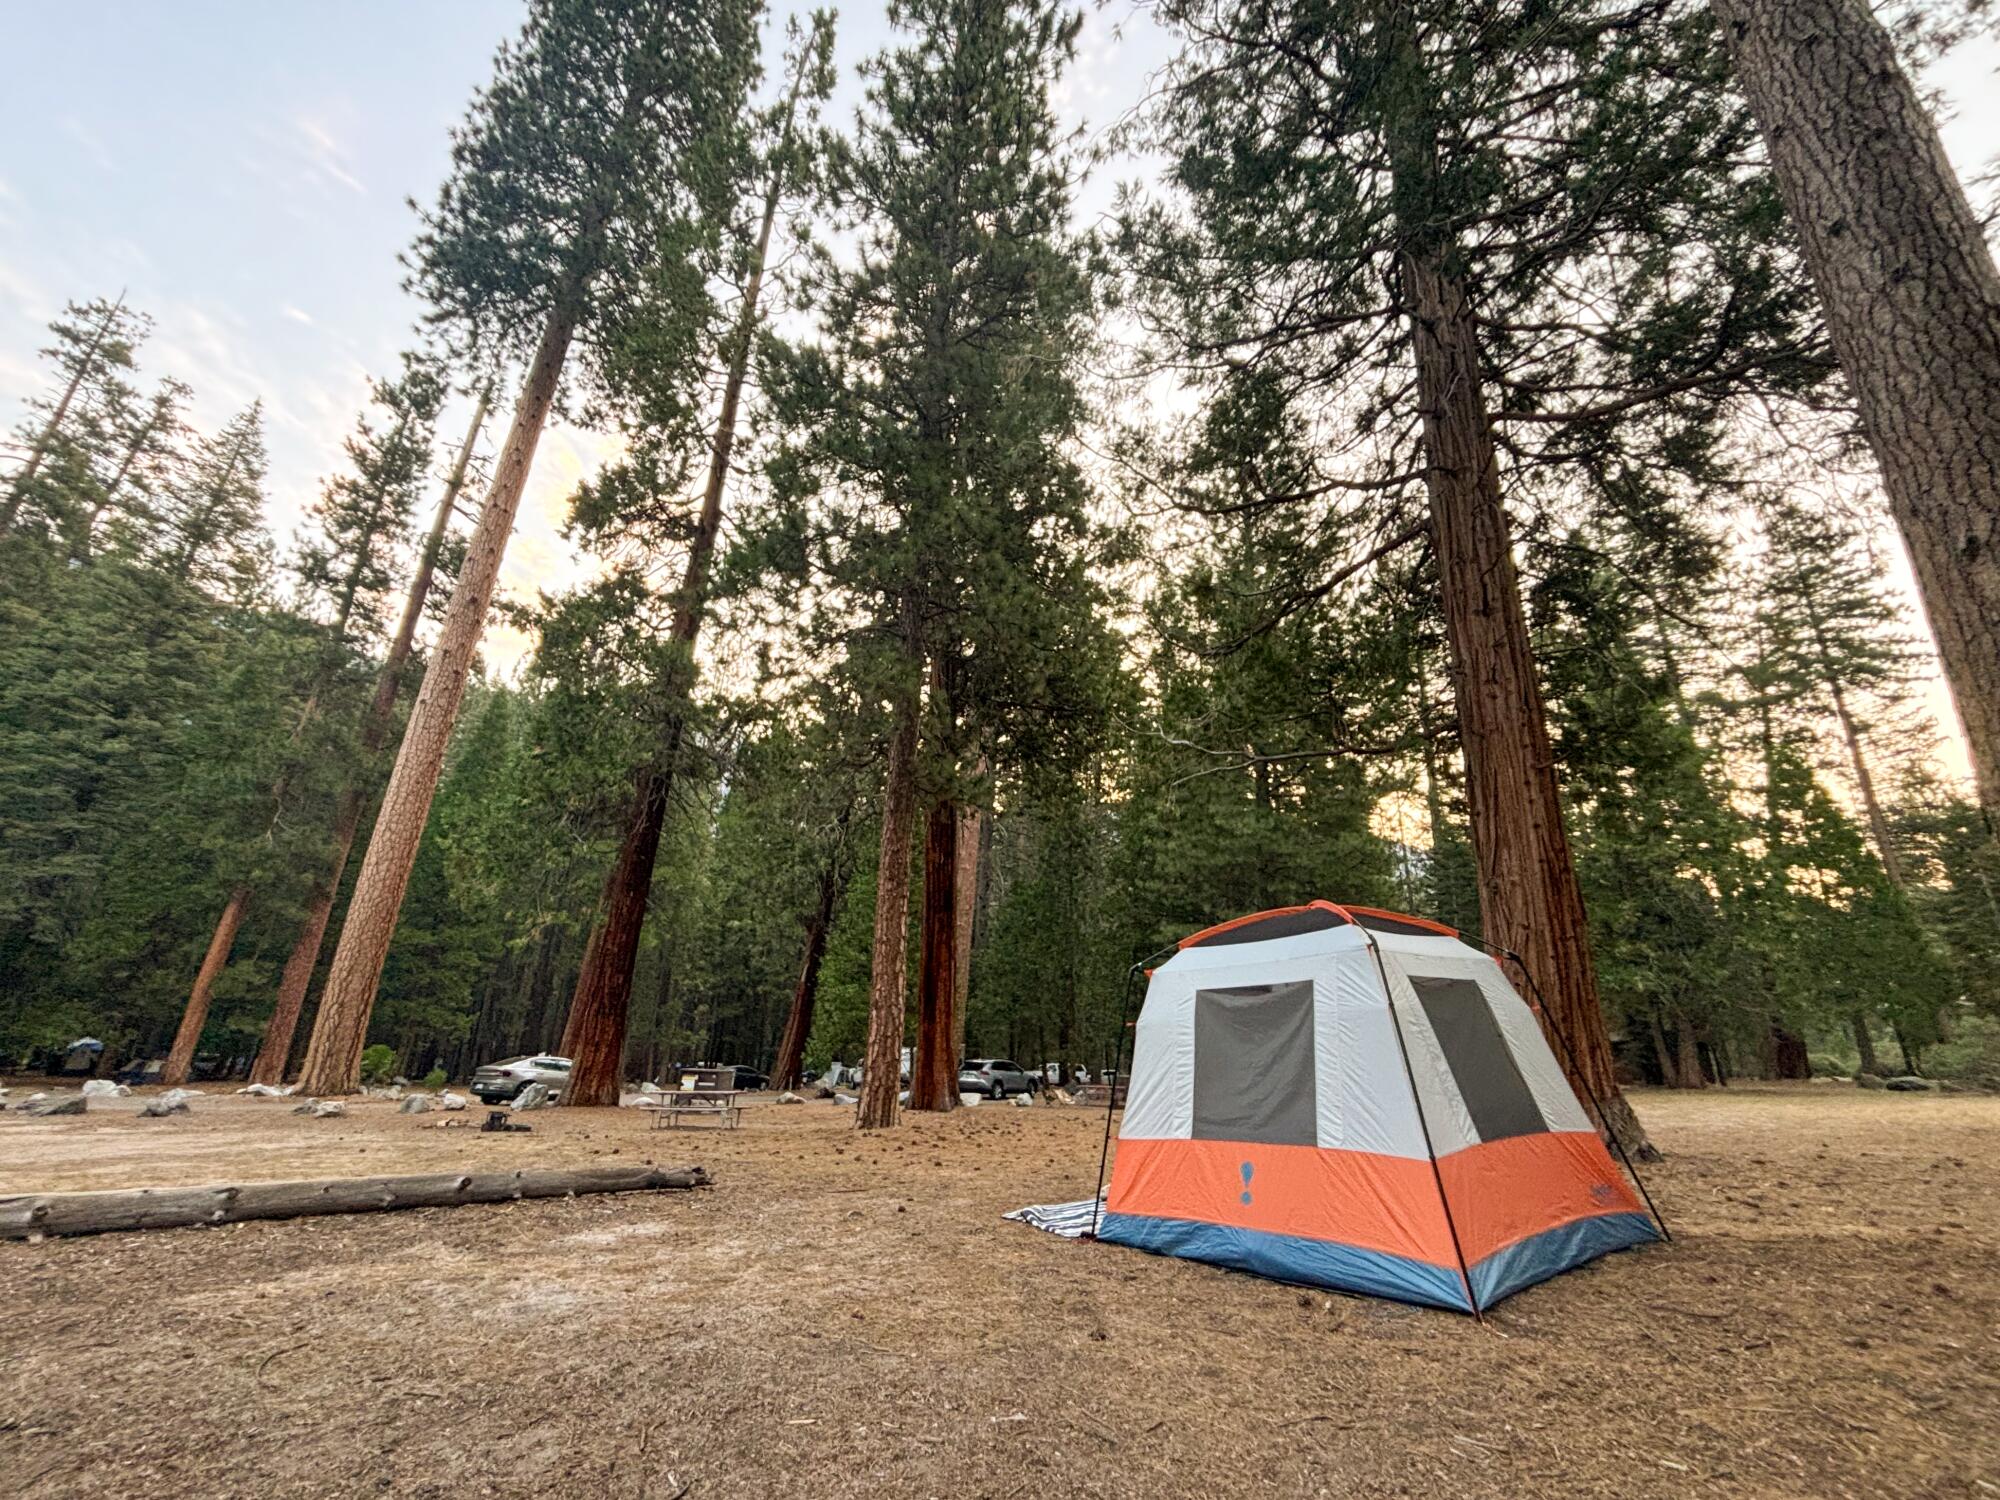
1569 1059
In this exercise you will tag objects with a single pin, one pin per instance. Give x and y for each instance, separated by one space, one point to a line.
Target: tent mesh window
1253 1065
1495 1093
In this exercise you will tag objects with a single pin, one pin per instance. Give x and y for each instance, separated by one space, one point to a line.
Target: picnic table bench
716 1104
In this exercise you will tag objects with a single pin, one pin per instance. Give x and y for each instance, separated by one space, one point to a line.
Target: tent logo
1247 1169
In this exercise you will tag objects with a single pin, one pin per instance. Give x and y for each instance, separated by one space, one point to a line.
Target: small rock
1909 1083
1024 1101
1868 1081
319 1109
165 1105
59 1104
414 1104
104 1088
266 1090
449 1100
788 1097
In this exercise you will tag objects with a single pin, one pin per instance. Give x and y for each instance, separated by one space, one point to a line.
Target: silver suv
995 1077
503 1080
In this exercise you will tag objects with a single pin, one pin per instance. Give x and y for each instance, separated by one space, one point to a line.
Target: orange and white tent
1357 1099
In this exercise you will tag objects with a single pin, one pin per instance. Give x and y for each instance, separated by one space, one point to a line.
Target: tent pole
1569 1061
1416 1098
1111 1088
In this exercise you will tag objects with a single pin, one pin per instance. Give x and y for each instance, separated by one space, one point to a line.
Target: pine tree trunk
934 1069
787 1071
180 1058
333 1057
1912 302
296 977
971 858
1864 1044
883 1064
594 1034
1670 1072
1786 1054
1688 1055
1529 899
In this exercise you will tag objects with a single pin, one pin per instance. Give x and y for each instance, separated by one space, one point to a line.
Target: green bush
436 1079
1825 1066
1972 1056
378 1064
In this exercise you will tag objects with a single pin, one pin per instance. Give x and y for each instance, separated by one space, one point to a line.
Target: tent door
1253 1065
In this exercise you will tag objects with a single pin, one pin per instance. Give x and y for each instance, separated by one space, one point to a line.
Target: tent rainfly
1344 1097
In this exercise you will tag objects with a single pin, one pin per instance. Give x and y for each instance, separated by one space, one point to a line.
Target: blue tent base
1374 1273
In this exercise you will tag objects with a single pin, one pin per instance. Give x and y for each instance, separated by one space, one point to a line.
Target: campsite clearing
848 1313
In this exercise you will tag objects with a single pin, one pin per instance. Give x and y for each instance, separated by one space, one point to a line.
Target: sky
241 170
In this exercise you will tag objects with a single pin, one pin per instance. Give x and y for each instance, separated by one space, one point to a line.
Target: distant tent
1350 1098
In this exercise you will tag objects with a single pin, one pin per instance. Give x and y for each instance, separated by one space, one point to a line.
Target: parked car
995 1077
500 1081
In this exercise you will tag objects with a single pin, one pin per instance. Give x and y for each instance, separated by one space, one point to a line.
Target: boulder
414 1104
266 1090
1909 1083
534 1096
449 1100
319 1109
788 1097
55 1104
104 1088
166 1104
1867 1081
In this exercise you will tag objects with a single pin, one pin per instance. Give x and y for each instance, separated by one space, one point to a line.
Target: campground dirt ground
846 1315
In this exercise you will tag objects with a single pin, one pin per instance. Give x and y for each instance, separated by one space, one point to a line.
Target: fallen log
32 1215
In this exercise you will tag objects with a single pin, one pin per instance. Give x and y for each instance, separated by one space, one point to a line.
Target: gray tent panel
1253 1065
1495 1093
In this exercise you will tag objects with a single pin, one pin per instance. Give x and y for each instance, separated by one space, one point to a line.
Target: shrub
378 1064
436 1079
1824 1066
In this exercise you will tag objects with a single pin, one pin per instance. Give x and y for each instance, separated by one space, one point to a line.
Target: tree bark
1688 1055
787 1071
882 1069
1529 899
1864 1044
593 1035
934 1069
1669 1060
333 1057
1912 302
180 1058
30 1216
971 858
1786 1051
296 977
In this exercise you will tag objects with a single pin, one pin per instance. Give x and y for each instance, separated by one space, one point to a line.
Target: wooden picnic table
717 1104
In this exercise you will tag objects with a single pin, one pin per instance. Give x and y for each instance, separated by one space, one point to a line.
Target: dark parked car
995 1077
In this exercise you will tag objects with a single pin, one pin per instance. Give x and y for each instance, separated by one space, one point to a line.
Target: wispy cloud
297 315
325 155
93 146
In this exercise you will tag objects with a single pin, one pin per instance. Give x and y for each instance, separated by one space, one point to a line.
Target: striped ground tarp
1070 1220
